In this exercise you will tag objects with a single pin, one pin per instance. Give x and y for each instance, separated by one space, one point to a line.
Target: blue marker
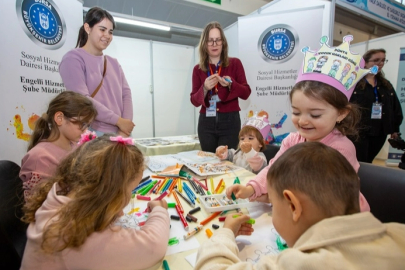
228 80
142 185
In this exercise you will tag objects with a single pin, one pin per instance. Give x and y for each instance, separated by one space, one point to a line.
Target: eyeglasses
217 41
384 61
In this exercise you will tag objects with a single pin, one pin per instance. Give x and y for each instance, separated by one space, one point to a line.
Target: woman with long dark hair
88 71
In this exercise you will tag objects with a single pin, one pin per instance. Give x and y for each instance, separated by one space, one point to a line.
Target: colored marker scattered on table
166 265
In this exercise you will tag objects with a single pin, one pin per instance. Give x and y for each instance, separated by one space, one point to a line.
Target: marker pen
185 224
194 231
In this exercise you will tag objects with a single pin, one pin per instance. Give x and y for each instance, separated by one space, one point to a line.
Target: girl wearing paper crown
251 145
320 112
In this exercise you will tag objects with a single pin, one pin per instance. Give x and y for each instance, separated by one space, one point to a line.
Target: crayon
222 218
174 217
188 218
208 232
194 231
221 188
169 183
236 181
144 179
151 190
179 185
215 226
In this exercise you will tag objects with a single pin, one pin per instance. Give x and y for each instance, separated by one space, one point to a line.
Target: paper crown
260 122
336 66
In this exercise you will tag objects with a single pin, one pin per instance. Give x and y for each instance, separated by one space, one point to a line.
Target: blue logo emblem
278 43
43 23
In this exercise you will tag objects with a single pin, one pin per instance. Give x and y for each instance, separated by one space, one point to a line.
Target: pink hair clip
120 139
87 136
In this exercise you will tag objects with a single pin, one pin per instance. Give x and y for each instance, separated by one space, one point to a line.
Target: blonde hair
246 130
204 58
71 104
97 175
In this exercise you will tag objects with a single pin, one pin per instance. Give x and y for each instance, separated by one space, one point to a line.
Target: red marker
183 220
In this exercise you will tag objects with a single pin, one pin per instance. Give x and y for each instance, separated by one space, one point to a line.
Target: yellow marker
179 187
164 184
212 185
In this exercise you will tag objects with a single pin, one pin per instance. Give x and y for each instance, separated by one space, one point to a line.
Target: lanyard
375 90
209 73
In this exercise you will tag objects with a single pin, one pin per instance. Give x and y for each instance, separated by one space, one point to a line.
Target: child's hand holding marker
153 204
239 191
238 224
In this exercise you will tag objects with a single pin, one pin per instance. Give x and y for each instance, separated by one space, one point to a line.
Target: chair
270 151
12 229
384 189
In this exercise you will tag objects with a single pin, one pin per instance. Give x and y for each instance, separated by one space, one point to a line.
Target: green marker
171 205
250 221
236 181
165 265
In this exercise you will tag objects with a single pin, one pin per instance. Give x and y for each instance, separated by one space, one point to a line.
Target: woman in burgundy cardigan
218 82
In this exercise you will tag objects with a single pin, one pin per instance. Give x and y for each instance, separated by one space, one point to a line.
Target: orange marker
208 219
219 185
178 202
208 232
172 185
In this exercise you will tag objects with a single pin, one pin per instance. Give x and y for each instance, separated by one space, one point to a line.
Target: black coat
391 110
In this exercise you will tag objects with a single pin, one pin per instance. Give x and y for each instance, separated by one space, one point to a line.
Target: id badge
216 98
376 111
212 110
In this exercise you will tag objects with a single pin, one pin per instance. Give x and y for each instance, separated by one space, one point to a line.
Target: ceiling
187 19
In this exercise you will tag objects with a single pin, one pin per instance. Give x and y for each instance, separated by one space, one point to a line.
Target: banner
384 9
394 155
270 50
36 35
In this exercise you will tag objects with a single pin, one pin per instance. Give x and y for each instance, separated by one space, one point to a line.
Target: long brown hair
380 76
325 92
204 58
97 175
93 17
321 173
71 104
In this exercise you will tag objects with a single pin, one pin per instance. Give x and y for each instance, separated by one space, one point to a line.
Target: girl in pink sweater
55 135
72 217
320 113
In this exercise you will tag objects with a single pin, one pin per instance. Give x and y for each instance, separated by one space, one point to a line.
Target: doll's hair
380 75
93 17
321 173
324 92
246 130
72 105
203 50
97 176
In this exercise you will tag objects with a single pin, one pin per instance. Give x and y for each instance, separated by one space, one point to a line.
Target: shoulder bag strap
101 83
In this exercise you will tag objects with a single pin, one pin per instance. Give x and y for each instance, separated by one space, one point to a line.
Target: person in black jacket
381 111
